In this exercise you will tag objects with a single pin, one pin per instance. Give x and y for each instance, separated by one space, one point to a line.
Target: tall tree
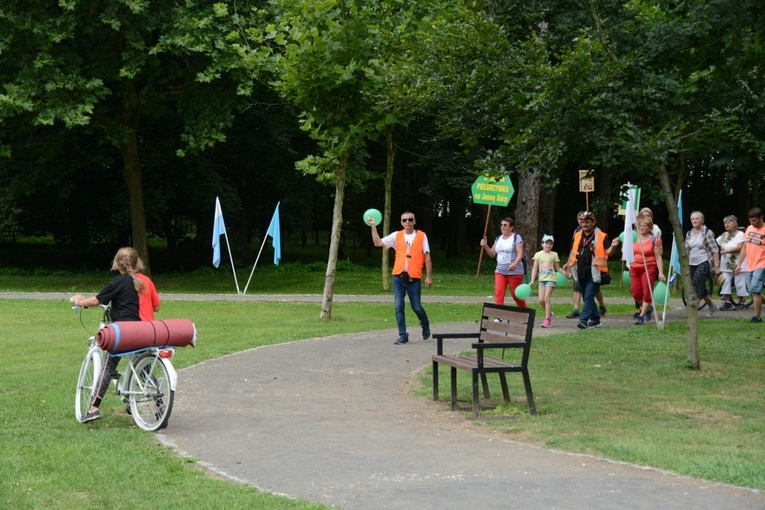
88 65
654 80
326 59
96 67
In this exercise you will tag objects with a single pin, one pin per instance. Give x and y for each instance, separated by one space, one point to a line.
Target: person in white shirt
731 242
412 254
508 250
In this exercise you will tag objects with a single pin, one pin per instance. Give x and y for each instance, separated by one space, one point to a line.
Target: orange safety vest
600 259
415 256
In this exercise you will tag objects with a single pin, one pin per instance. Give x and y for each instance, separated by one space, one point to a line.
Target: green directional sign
489 191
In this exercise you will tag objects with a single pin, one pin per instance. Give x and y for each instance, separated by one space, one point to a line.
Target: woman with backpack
508 250
703 257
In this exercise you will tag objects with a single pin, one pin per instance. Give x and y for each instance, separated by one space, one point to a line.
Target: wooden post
485 230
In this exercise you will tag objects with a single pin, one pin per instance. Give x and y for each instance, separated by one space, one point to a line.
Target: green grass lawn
51 460
627 394
622 393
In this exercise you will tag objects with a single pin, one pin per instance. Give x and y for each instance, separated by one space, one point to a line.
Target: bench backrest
511 330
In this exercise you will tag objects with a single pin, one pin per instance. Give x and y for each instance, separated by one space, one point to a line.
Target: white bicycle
147 384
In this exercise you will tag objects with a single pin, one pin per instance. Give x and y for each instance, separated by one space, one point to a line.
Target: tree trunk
334 244
131 165
691 330
387 212
527 209
547 211
131 171
604 197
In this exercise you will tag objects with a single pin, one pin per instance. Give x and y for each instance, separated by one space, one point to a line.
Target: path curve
333 420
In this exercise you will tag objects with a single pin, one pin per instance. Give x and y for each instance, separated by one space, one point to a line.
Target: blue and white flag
274 230
219 229
675 260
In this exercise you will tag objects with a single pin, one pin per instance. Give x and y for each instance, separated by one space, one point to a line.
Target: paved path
342 428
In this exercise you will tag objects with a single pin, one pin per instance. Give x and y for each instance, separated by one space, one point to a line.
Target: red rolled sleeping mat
122 337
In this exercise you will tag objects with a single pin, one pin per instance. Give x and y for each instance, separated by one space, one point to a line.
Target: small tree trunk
131 169
133 178
387 212
334 244
691 329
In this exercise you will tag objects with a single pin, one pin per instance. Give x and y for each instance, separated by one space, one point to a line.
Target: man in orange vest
412 253
588 262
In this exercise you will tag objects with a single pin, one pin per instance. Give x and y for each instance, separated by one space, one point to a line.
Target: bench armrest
441 336
498 345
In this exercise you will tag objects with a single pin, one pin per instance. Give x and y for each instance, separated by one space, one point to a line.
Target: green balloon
626 277
634 237
660 293
375 214
523 291
560 279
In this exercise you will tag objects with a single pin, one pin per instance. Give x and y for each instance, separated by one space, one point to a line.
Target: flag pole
231 258
265 238
659 324
273 231
485 230
669 279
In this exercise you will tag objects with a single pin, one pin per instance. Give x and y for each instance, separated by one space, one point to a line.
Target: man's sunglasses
406 219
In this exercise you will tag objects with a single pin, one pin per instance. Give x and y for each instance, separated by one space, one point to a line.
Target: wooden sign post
586 186
489 191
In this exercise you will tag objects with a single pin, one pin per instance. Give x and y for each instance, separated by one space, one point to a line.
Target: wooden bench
513 332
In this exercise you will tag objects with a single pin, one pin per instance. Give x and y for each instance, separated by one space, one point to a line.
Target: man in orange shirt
753 255
412 253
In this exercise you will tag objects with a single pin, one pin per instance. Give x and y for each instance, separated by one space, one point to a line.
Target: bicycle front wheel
151 399
87 381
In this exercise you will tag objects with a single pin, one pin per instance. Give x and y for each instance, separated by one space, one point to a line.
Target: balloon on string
626 277
660 293
634 237
523 291
560 279
375 214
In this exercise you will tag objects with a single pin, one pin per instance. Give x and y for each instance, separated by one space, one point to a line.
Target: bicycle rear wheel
87 381
709 284
151 399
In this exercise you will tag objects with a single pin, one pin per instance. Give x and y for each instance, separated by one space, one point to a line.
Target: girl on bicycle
122 292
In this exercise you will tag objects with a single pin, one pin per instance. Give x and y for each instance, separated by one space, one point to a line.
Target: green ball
375 214
626 277
560 279
523 291
660 293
